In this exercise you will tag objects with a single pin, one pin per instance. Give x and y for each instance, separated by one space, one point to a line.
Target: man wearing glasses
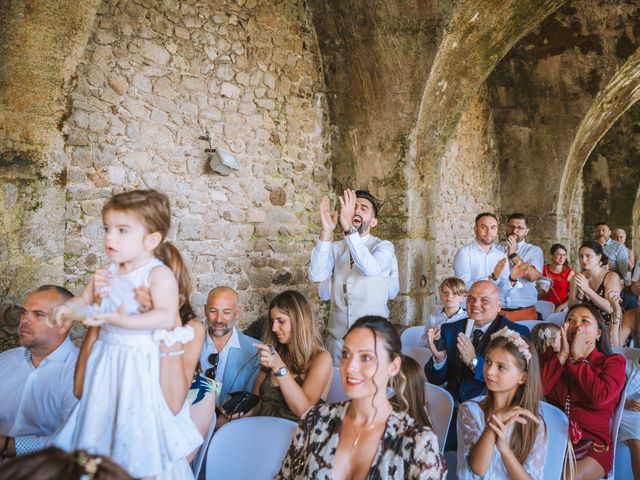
521 302
36 379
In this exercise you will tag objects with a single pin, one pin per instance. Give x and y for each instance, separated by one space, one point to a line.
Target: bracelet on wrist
511 279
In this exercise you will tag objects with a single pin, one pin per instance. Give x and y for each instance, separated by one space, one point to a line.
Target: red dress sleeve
599 384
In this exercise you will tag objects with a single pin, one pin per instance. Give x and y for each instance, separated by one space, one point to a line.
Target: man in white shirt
36 379
358 274
520 304
482 260
615 251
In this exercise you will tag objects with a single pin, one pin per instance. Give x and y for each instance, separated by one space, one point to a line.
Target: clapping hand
614 299
580 346
347 208
581 282
465 347
512 244
433 335
329 219
497 270
520 270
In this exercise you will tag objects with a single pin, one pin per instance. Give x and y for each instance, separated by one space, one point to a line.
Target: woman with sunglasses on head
296 369
367 436
585 379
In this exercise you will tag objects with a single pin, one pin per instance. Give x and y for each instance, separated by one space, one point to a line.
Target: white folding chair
412 337
545 308
557 318
615 426
420 355
249 448
440 408
557 425
529 323
336 390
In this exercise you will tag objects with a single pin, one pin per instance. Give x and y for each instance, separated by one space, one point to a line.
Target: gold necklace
355 442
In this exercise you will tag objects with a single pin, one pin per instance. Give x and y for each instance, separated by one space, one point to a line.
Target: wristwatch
493 277
351 230
281 372
512 256
473 364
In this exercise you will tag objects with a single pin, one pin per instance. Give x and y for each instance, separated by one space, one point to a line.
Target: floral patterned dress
406 450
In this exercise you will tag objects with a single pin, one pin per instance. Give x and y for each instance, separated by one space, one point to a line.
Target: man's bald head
222 310
483 302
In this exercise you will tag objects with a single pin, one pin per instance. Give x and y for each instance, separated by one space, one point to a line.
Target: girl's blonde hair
544 335
410 391
527 396
305 338
153 210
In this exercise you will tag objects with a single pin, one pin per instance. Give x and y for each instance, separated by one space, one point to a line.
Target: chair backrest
440 408
557 425
528 323
545 308
412 337
420 355
249 448
336 390
557 318
615 426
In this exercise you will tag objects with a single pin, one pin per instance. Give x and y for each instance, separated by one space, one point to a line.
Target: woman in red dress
560 272
585 380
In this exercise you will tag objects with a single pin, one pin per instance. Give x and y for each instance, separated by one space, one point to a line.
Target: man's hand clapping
329 219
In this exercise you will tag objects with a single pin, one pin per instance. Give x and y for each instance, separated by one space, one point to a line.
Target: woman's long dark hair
597 248
604 344
380 326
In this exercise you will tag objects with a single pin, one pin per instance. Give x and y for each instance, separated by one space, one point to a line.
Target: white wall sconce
220 160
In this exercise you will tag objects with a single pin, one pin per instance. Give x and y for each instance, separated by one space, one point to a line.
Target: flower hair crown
515 338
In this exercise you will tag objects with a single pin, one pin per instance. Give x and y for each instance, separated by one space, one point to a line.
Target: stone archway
622 91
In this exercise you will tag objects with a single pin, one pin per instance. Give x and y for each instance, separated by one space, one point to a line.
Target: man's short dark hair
485 214
63 292
519 216
603 223
367 196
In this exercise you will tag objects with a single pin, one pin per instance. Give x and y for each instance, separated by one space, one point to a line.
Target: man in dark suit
459 361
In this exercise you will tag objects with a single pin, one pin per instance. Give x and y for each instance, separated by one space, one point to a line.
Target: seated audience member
620 236
453 294
53 463
36 379
546 337
585 379
412 382
502 435
591 285
458 348
628 299
364 437
615 252
630 422
296 369
561 274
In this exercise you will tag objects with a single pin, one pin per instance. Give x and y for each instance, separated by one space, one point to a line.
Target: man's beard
221 331
364 226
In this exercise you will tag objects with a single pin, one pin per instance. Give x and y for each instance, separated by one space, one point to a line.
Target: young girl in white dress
122 412
501 436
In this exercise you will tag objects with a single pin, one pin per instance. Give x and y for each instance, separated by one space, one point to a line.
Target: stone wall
469 184
157 76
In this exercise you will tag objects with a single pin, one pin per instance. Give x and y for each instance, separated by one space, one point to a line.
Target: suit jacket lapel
230 371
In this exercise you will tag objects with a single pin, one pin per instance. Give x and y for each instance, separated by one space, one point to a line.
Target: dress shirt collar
460 311
233 342
58 355
477 246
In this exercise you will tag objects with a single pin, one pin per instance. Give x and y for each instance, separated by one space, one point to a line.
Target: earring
597 339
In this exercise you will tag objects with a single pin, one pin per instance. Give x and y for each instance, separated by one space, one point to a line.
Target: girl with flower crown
501 436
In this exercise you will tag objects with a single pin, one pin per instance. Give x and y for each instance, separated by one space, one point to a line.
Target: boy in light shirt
453 293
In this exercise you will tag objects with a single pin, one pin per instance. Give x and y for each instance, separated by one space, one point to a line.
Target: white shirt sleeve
394 288
462 266
321 263
369 263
